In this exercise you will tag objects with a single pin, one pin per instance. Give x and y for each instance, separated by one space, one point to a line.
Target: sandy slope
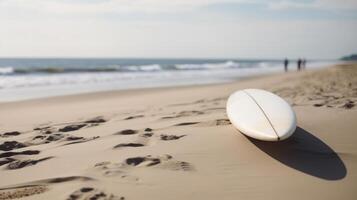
176 143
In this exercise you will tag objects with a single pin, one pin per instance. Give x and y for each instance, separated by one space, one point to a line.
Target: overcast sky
178 28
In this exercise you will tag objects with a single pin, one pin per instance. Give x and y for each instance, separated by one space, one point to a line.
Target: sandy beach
177 143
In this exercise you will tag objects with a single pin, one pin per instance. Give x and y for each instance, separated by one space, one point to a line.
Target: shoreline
169 87
34 86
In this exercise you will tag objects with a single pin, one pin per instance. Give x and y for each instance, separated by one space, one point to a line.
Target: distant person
286 63
299 62
303 63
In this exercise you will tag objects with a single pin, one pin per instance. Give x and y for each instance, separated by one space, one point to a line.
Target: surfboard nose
261 115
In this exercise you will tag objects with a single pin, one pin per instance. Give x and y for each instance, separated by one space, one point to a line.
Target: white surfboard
261 115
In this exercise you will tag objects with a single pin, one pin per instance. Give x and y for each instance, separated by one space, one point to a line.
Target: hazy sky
178 28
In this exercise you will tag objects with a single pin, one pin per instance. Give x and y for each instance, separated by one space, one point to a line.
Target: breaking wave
118 68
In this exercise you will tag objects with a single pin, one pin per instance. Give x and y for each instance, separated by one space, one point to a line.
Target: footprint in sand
140 141
59 137
97 120
148 132
71 126
126 169
20 192
217 122
9 134
170 137
45 130
11 145
348 105
6 161
186 123
76 140
126 132
18 164
161 162
134 117
90 193
65 179
36 187
14 163
110 169
50 134
128 145
10 153
143 138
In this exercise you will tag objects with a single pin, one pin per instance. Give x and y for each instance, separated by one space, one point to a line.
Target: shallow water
35 78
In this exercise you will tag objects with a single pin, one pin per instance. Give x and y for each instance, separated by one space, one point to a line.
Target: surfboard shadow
306 153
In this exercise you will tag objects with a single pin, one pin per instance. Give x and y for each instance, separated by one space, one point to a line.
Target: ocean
29 78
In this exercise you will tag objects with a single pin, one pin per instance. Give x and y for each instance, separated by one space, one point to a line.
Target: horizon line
163 58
